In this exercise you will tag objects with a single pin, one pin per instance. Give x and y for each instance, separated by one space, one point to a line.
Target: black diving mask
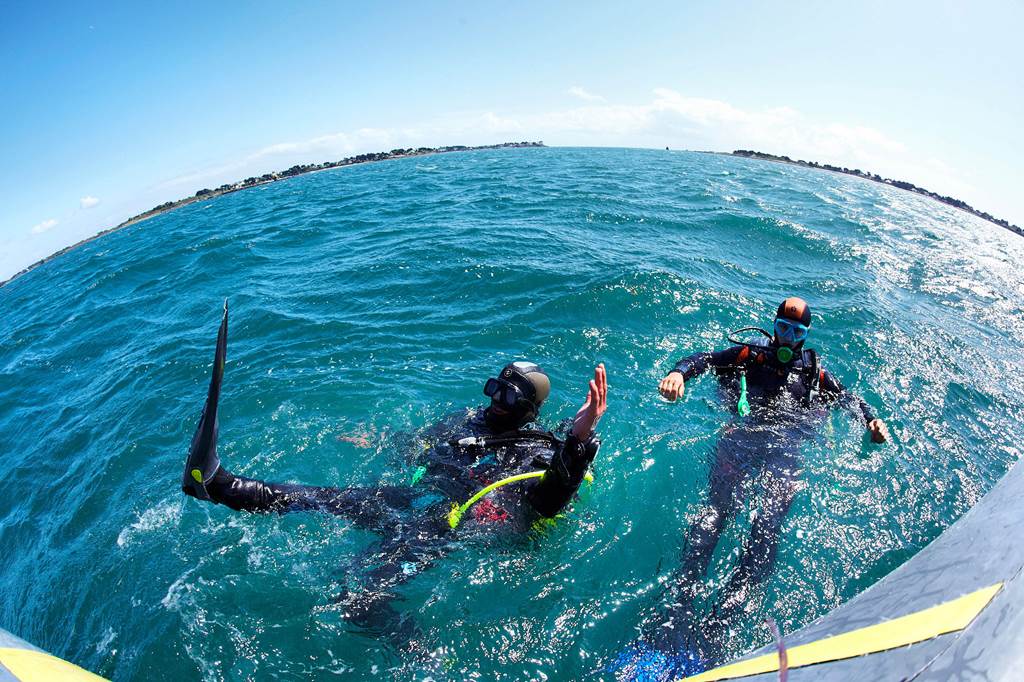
506 394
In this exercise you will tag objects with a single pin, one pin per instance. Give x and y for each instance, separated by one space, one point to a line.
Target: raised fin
202 461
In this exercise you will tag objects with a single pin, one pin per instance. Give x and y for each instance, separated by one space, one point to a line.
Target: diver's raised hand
594 406
672 386
878 430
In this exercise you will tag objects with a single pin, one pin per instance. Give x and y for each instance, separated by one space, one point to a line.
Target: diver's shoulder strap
812 374
750 353
507 438
811 362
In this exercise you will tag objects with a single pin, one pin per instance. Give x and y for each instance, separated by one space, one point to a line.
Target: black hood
510 421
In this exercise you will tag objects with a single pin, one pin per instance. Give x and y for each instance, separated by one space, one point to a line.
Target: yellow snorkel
455 515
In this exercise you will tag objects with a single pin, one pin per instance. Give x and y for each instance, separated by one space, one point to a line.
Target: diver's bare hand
673 386
594 406
878 430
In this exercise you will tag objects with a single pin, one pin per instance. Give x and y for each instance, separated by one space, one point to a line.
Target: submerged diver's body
446 470
788 399
411 519
788 404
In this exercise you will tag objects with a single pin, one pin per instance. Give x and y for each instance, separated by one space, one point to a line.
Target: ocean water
378 298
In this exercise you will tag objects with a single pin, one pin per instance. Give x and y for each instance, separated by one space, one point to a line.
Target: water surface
377 298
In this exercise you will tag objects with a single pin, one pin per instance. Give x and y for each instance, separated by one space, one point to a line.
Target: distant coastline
874 177
254 181
301 169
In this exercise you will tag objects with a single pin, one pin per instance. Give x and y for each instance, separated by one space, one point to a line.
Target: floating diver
527 474
782 395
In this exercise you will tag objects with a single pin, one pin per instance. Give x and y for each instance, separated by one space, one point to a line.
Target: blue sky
111 109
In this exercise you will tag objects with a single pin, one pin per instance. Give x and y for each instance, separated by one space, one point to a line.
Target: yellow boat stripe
915 627
36 666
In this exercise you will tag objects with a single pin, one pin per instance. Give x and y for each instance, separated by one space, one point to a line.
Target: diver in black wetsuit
458 457
783 396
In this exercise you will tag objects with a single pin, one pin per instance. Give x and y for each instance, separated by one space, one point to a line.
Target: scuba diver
782 395
519 475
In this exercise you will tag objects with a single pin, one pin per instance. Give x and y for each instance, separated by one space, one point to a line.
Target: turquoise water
378 298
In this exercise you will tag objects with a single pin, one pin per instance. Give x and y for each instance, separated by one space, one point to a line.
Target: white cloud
670 118
88 201
491 122
44 226
283 154
577 91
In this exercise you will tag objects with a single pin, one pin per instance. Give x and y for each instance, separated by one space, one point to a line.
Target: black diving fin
202 462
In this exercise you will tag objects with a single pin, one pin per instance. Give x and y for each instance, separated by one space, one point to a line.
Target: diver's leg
202 462
780 483
674 636
395 561
726 476
669 635
204 478
780 480
377 508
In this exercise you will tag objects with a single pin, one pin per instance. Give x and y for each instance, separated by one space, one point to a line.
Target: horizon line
400 153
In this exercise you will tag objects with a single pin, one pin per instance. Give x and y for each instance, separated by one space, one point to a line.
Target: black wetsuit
768 380
412 519
788 403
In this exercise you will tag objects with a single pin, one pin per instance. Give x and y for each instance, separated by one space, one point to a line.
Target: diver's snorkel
742 405
784 354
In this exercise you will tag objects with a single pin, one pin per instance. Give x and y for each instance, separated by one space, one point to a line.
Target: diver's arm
564 475
833 390
698 363
674 384
569 464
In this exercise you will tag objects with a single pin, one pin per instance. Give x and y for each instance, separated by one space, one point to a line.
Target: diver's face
500 418
789 333
509 409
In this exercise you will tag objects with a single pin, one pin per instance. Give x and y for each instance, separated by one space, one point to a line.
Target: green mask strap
742 406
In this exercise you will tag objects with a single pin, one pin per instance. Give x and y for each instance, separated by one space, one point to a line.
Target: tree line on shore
272 177
299 169
875 177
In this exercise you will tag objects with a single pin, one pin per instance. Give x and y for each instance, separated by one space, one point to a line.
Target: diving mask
790 332
506 394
